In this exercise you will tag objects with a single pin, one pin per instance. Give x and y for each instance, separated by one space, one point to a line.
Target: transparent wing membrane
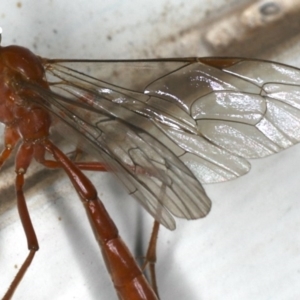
166 126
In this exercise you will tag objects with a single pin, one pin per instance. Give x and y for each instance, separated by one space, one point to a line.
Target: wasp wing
164 126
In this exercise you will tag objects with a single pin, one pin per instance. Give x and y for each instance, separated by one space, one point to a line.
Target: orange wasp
163 127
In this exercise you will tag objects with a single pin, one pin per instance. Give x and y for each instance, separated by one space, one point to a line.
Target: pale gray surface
248 246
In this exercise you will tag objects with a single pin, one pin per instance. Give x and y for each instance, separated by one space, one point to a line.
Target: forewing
163 126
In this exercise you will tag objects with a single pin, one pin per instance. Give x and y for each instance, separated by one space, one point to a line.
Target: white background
248 247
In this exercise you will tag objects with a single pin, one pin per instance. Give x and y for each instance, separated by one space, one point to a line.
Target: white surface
247 248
